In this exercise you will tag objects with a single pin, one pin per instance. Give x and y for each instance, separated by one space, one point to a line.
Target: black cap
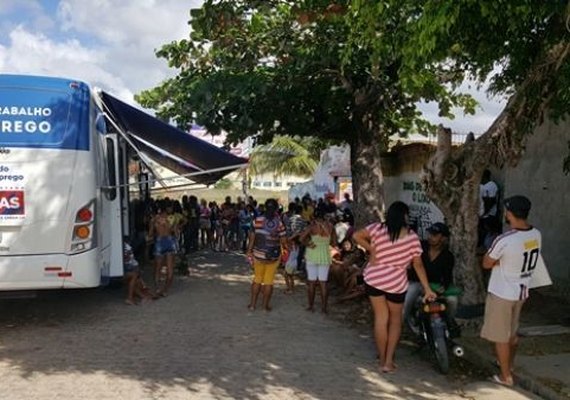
439 227
518 204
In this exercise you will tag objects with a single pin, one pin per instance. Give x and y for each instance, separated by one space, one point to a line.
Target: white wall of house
275 183
408 188
331 176
540 177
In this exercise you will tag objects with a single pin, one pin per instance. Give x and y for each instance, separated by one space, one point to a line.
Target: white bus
62 215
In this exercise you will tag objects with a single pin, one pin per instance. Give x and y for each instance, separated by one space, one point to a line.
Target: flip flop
496 364
497 379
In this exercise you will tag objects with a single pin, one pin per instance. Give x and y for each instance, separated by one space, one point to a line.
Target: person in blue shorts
164 247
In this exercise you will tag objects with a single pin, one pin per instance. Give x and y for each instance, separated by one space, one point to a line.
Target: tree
286 155
522 48
278 67
223 184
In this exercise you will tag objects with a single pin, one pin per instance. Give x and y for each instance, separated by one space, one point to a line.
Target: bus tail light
83 233
84 215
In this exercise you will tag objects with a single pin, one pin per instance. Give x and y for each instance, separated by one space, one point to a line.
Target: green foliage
223 183
355 70
305 68
488 37
499 41
286 155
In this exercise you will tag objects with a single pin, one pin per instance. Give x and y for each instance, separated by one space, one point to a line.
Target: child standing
135 285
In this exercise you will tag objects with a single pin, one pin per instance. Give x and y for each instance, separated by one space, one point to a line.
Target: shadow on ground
201 339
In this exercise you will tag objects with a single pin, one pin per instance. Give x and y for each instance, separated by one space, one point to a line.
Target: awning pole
189 175
120 131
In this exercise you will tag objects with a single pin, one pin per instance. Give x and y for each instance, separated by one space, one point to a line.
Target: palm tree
286 155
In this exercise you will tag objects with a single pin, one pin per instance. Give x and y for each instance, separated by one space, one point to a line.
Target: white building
333 175
276 182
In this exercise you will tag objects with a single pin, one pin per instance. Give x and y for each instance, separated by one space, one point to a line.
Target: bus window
111 170
121 172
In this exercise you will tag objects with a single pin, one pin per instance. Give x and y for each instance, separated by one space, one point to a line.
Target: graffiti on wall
423 213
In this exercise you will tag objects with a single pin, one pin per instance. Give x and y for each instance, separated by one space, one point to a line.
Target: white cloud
111 44
131 31
141 21
36 54
107 43
31 13
8 6
478 123
487 110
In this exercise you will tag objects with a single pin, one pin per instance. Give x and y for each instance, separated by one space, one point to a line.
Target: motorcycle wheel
441 354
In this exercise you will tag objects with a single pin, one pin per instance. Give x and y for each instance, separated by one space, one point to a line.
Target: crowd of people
313 240
167 230
316 241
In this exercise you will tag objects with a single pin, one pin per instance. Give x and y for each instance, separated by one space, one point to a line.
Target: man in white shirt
512 259
489 192
488 199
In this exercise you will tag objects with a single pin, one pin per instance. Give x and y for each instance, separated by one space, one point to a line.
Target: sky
111 43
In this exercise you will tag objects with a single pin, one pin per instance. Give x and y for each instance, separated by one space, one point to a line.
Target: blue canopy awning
171 147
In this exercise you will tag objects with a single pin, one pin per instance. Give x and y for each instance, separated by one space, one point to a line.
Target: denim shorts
164 245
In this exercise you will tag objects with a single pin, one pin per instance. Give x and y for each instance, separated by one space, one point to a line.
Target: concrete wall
402 168
408 188
275 182
539 176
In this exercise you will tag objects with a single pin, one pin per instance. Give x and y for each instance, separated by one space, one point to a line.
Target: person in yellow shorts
267 240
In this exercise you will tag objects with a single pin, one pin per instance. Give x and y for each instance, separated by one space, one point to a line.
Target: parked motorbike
429 322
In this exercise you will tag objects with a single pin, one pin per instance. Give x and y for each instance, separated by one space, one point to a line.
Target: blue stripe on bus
43 112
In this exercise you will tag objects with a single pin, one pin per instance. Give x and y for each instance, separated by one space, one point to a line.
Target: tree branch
505 138
346 83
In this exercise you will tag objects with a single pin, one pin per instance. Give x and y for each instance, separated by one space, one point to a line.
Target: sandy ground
201 342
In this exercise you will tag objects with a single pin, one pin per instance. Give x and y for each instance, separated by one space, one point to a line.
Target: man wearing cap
512 259
438 262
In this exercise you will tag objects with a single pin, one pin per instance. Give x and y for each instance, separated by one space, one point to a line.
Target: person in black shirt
438 262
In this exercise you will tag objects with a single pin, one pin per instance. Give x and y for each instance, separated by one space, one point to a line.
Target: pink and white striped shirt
388 272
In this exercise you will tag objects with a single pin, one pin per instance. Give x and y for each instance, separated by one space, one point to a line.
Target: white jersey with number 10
518 253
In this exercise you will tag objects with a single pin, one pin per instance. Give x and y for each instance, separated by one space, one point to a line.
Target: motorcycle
429 322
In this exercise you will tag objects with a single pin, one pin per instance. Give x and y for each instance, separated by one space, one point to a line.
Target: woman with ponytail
392 246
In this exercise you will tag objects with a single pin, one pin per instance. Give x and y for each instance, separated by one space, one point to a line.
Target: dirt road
201 342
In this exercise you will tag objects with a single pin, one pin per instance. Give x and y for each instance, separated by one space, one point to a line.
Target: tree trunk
468 274
452 181
367 178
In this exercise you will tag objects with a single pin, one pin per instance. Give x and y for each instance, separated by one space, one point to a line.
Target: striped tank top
388 272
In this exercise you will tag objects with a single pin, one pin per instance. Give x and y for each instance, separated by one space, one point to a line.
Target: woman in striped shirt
392 247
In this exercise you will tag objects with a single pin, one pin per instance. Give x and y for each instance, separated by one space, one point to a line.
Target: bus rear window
45 117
